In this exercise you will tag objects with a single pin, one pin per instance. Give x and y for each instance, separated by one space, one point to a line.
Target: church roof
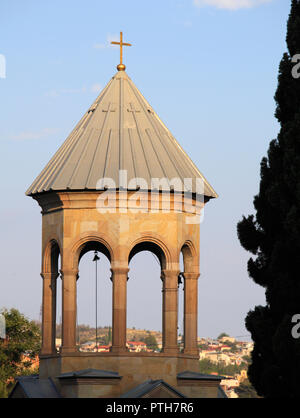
188 375
90 373
34 387
120 131
151 387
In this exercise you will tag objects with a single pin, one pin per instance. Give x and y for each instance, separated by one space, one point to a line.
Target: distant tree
203 346
106 339
273 237
150 341
207 367
234 348
22 337
223 334
3 389
247 359
246 390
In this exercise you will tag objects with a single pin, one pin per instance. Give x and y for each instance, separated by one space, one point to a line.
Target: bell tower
121 184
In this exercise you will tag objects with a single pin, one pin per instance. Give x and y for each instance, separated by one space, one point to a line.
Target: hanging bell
96 258
179 279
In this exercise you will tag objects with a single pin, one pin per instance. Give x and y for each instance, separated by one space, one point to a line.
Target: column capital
191 276
119 270
69 272
168 272
46 275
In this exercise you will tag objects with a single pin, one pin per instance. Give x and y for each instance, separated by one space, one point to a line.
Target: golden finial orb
121 67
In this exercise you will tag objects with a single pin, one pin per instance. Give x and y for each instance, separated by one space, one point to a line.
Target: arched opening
94 298
181 304
189 296
185 265
144 298
58 330
188 257
51 308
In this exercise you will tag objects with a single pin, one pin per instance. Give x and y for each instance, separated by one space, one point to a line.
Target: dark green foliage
246 390
207 367
203 346
150 341
22 337
223 334
273 237
233 346
106 340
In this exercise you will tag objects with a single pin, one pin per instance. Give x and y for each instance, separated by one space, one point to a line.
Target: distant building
136 346
103 348
57 342
227 338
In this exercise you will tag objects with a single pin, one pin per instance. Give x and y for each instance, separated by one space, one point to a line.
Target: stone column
170 311
119 279
69 309
49 313
191 313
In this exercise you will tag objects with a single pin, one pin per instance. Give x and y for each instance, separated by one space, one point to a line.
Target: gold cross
121 66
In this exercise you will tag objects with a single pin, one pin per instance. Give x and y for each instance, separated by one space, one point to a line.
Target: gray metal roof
147 387
90 373
221 393
34 387
198 376
120 131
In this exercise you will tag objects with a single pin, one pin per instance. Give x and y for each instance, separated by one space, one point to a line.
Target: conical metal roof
120 131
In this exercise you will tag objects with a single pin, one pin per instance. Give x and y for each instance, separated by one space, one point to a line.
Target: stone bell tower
121 184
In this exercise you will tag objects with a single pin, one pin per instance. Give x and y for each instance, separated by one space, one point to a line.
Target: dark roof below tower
188 375
90 373
159 388
34 387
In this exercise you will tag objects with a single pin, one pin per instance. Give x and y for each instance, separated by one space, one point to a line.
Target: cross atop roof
121 66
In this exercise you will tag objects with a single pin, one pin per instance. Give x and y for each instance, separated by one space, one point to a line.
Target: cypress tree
272 235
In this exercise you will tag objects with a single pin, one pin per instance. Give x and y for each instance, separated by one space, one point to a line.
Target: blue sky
209 69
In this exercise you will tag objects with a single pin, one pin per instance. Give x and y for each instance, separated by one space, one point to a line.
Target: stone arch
90 243
51 253
154 245
189 253
50 273
190 294
82 246
148 284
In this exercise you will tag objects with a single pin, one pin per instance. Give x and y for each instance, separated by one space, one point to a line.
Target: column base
68 350
118 350
171 350
191 351
47 352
